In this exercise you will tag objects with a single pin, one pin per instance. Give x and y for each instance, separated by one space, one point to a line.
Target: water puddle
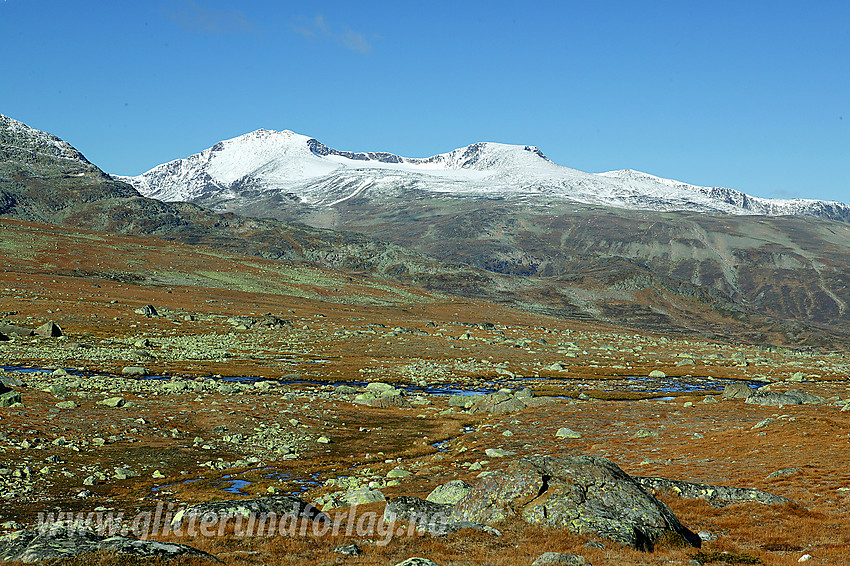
166 486
633 384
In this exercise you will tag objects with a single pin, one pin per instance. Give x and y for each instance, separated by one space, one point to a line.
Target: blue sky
750 95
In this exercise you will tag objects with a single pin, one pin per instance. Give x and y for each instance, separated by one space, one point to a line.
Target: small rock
66 405
565 432
558 559
498 452
112 402
323 440
657 374
782 473
416 561
348 550
134 371
147 310
706 536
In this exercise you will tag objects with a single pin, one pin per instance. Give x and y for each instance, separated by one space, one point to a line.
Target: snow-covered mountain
265 161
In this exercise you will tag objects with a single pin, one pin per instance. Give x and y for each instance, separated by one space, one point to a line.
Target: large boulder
450 492
49 330
581 493
64 540
504 401
279 505
737 391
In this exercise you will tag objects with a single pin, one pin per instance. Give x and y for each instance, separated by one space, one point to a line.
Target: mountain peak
284 162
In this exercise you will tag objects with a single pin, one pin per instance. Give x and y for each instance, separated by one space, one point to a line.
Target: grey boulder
582 493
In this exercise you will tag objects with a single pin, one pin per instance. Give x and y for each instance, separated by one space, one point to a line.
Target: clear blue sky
753 95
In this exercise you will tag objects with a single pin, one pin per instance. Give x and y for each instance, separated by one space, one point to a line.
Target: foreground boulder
716 495
279 505
67 540
581 493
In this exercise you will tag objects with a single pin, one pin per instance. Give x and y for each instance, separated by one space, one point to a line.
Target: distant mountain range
491 221
234 173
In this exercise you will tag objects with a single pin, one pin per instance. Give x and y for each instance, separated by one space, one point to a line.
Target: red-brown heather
185 441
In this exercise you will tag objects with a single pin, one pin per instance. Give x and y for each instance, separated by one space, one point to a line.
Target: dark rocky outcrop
279 505
421 511
581 493
716 495
67 540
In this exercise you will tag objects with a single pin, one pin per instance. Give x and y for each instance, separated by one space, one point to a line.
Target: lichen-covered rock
64 540
581 493
362 496
449 493
716 495
9 398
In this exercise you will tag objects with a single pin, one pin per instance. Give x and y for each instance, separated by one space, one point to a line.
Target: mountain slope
233 173
44 179
738 277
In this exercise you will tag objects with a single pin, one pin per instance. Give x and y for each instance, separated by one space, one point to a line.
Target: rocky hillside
44 179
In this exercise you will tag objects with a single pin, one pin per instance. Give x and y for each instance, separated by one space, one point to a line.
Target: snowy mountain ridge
267 161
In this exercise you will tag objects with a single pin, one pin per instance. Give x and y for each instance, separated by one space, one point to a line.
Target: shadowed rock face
580 493
64 541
